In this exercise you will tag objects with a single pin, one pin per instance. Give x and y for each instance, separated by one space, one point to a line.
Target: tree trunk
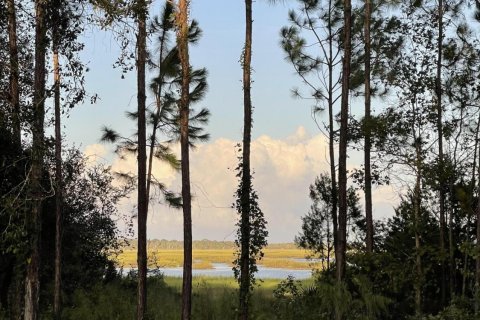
17 310
471 212
477 262
438 91
142 162
182 43
368 143
14 76
331 133
158 100
451 251
57 299
32 280
246 177
340 253
418 259
417 215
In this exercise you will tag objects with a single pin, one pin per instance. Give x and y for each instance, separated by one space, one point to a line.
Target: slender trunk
57 299
246 178
331 133
182 43
465 261
368 143
329 245
417 213
477 260
158 100
438 91
142 162
418 259
470 213
32 280
451 251
14 75
342 159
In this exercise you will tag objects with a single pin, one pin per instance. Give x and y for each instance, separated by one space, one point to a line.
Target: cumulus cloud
95 153
283 170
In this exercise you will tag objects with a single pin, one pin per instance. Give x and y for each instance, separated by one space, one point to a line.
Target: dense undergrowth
213 298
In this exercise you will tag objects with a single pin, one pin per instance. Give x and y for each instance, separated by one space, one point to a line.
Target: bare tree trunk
465 264
451 251
329 245
152 151
438 91
331 133
368 143
182 44
14 76
418 259
32 280
142 162
246 177
340 253
158 100
470 212
57 299
477 260
417 215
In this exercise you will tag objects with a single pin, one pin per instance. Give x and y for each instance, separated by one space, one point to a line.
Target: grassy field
203 258
213 298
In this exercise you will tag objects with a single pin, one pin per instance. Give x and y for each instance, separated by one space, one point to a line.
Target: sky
288 150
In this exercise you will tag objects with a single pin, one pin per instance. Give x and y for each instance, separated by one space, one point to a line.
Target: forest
395 82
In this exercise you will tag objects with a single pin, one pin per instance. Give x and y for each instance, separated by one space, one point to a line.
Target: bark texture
441 178
14 75
142 162
368 143
182 44
246 177
418 285
340 252
57 296
32 280
331 133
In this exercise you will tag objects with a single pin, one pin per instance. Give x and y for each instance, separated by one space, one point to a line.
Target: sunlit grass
213 298
204 259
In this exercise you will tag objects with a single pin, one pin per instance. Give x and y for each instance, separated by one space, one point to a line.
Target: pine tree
340 251
32 280
182 44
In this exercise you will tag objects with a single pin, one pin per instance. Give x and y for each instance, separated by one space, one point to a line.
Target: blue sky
276 112
287 152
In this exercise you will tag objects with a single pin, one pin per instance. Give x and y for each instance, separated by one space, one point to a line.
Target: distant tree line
204 244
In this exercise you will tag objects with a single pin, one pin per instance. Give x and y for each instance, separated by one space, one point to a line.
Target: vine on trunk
258 228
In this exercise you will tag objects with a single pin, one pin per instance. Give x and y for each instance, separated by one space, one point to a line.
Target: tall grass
204 259
213 299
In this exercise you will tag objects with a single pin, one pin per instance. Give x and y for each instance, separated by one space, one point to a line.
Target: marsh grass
204 259
213 298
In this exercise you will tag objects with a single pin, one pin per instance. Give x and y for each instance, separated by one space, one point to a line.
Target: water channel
224 270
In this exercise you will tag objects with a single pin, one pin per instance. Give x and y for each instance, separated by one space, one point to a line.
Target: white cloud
284 169
95 153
